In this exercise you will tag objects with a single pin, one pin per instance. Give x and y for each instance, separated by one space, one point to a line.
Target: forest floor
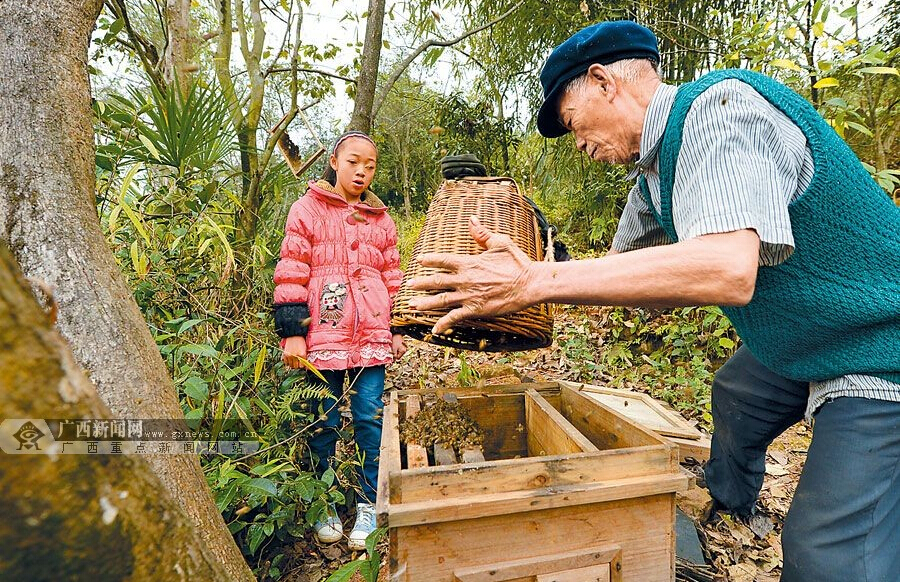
734 550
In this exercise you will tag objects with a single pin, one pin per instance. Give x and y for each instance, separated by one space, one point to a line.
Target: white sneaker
365 524
328 527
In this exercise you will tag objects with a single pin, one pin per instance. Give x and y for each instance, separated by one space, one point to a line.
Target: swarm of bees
442 422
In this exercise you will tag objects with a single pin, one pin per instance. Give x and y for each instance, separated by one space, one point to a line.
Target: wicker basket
502 209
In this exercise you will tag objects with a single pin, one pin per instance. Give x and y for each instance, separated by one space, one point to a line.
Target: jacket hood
369 202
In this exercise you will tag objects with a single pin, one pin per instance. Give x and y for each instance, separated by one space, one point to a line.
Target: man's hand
398 346
496 282
294 349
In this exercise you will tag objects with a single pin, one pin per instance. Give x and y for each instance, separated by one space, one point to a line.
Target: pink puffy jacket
341 260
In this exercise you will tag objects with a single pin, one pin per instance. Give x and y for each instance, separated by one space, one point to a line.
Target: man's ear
603 79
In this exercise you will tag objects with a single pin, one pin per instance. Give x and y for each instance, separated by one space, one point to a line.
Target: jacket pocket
374 306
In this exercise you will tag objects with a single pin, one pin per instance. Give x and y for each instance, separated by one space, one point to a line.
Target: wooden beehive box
568 490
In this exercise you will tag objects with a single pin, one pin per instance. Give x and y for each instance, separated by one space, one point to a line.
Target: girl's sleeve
391 273
291 309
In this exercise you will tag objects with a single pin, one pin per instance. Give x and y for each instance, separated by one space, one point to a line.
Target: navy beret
603 43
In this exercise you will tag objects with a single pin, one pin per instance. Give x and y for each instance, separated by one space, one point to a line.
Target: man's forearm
715 269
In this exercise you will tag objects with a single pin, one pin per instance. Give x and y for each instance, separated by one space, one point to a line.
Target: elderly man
745 198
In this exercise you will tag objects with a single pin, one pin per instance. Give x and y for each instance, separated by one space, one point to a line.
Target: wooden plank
444 454
605 427
641 408
698 449
489 389
501 418
533 473
642 527
388 461
416 454
541 565
454 509
472 455
548 432
589 574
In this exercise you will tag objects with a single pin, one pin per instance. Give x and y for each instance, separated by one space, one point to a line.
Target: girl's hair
329 175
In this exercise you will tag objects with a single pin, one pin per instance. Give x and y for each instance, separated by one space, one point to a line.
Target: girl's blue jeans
365 388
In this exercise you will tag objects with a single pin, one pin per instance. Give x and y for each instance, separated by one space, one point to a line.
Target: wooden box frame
571 490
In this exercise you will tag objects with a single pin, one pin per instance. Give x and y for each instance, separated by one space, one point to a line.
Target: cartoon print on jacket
332 303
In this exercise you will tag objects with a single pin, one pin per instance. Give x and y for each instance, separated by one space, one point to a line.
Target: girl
338 273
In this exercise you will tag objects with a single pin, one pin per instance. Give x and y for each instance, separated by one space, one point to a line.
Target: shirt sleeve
292 271
737 169
638 227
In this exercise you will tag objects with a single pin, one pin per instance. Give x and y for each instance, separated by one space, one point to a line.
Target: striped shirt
742 162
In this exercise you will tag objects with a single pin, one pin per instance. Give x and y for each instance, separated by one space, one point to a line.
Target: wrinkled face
591 112
354 163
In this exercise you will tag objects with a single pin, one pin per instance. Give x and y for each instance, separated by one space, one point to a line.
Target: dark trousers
366 406
844 522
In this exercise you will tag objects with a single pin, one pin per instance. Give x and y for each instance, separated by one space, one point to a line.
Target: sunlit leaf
785 64
309 366
879 70
260 361
149 145
826 82
818 29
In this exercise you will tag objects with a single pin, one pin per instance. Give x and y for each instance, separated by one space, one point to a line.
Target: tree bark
368 72
77 517
179 50
49 218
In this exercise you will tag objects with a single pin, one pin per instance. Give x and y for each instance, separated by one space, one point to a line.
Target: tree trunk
77 517
49 218
404 164
368 71
179 50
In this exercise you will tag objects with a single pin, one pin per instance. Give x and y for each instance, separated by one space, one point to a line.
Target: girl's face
354 163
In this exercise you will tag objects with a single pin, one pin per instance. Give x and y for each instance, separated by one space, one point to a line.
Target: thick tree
77 517
49 219
370 60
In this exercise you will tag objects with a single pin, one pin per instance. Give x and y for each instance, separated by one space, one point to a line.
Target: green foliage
673 353
582 198
369 567
814 46
407 147
468 375
466 127
408 232
188 135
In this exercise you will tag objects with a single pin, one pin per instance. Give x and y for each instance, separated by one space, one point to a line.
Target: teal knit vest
833 307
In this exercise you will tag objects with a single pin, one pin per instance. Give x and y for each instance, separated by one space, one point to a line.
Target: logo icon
28 435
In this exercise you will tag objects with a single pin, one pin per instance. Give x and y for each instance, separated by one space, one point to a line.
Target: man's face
593 113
